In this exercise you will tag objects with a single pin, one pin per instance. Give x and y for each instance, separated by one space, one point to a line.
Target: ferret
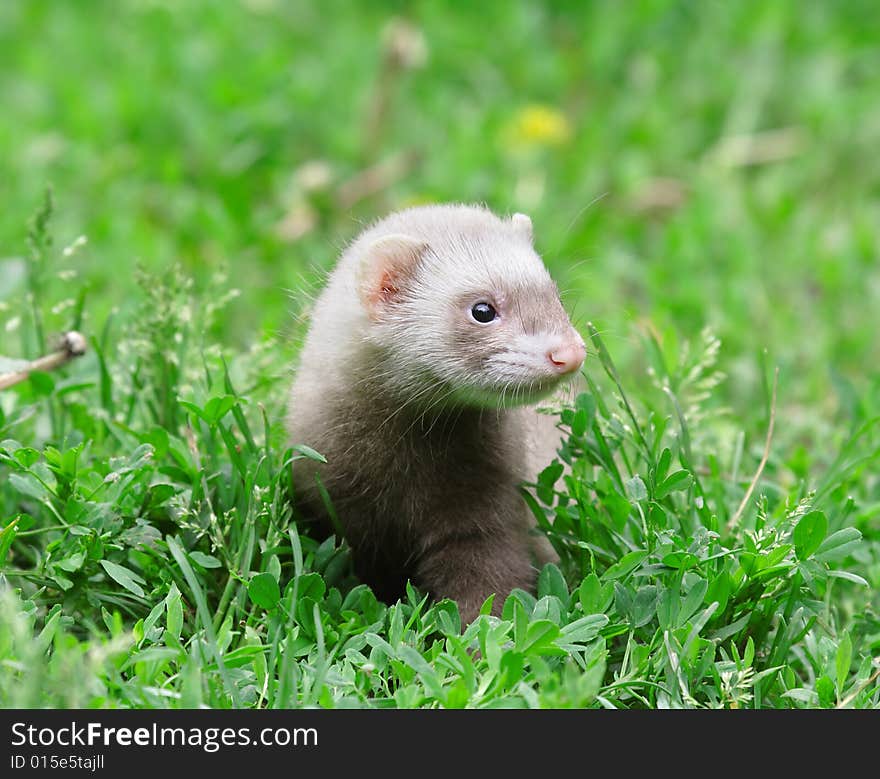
436 334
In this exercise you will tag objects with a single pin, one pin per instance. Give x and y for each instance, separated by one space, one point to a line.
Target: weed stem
742 506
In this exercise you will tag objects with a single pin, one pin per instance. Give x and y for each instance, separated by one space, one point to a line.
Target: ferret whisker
582 211
573 266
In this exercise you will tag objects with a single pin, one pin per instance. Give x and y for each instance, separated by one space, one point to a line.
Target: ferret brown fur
437 332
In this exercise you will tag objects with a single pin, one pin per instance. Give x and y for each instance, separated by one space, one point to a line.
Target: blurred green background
685 163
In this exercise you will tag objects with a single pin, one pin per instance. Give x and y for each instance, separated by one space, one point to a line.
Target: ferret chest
406 462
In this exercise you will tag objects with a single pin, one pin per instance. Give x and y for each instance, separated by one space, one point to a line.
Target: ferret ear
388 266
523 225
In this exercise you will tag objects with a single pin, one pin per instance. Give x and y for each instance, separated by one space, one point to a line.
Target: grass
702 183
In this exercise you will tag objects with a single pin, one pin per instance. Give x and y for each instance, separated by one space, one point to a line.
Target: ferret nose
568 357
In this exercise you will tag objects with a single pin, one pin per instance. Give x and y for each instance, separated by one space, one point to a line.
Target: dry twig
73 344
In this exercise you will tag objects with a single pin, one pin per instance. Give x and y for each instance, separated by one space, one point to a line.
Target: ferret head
464 311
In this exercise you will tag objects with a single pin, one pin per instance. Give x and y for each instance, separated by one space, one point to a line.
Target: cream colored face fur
463 310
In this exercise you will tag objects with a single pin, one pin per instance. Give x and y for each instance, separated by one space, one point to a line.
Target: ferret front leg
469 568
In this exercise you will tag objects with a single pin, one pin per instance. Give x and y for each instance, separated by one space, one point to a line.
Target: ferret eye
483 313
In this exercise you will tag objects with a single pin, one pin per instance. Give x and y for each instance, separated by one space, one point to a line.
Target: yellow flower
538 125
